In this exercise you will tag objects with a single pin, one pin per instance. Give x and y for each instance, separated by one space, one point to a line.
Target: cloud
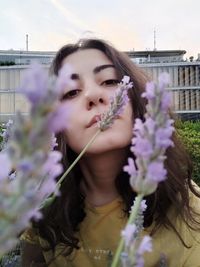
71 17
123 37
48 43
127 24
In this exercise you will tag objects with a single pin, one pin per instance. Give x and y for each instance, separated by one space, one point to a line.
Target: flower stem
50 199
131 219
77 159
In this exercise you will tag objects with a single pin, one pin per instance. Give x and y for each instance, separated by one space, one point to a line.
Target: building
184 76
21 57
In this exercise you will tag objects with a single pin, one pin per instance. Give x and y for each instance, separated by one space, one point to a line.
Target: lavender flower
28 157
145 245
134 243
30 151
34 85
151 139
149 144
117 104
128 233
58 118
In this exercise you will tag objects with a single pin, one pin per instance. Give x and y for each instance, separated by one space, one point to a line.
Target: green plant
189 132
12 258
7 63
1 131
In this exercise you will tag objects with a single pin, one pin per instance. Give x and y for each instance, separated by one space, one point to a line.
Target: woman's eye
110 82
70 94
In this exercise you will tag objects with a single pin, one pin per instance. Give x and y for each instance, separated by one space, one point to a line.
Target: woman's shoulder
194 200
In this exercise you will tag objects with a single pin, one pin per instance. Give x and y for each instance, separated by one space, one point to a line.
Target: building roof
26 53
156 53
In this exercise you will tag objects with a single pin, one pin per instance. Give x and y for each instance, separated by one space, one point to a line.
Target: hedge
1 131
189 132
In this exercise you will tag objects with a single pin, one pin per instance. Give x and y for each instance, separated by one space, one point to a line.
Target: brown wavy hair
62 219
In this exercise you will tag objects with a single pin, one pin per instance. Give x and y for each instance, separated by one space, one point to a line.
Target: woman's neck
100 172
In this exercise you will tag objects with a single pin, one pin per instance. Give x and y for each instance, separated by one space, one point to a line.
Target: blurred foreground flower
27 157
27 154
151 139
134 243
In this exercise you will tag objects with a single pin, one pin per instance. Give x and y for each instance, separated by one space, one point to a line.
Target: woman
82 227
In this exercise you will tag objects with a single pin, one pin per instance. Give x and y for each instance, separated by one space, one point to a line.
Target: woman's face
95 81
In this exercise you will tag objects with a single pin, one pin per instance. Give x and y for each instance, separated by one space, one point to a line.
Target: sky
127 24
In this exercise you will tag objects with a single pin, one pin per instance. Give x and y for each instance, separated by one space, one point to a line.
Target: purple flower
57 120
26 165
32 213
52 165
128 233
151 139
130 168
143 205
138 126
140 262
28 153
142 147
151 125
12 176
156 172
48 186
166 101
34 84
163 80
5 164
162 137
126 80
117 104
145 245
150 91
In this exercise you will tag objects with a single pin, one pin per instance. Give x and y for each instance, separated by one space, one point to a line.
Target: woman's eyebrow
102 67
75 76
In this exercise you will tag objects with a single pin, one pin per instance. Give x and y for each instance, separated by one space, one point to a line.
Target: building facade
184 79
26 57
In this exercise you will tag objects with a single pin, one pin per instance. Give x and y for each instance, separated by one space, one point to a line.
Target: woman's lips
94 120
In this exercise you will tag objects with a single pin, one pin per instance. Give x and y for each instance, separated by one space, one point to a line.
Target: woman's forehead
87 58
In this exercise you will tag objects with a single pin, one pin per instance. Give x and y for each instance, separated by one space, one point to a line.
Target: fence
185 99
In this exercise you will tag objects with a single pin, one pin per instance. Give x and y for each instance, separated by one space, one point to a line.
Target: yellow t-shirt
100 233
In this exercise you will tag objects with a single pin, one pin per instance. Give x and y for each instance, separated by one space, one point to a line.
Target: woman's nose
95 97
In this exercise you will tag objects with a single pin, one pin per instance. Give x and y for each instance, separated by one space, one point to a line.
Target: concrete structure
26 57
184 75
10 99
